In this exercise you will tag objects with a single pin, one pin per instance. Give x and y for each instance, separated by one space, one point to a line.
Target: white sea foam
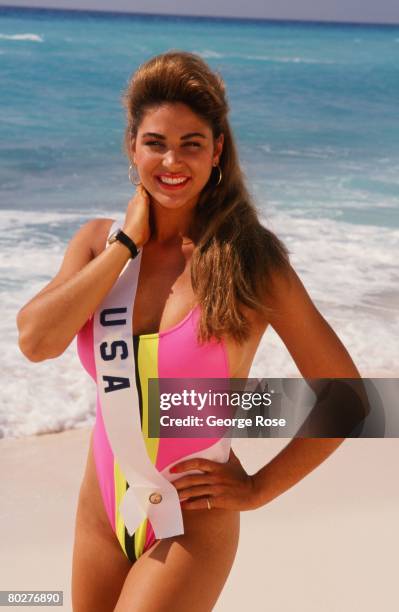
325 152
266 147
349 271
209 53
287 60
308 153
31 37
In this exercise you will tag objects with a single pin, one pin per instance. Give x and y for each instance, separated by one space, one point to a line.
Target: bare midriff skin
176 574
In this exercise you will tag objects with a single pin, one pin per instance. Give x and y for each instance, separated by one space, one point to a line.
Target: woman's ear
218 147
133 150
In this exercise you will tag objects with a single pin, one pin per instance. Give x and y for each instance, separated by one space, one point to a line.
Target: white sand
327 545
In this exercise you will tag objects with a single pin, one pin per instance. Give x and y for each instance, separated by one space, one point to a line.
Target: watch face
113 236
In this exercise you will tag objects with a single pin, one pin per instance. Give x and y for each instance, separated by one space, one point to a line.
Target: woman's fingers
199 491
199 504
198 463
227 485
194 480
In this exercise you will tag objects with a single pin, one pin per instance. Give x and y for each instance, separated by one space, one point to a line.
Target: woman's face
172 141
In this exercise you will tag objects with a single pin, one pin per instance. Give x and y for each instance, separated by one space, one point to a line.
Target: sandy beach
327 545
313 111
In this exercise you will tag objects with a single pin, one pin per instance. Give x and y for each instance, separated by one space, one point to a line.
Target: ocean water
314 112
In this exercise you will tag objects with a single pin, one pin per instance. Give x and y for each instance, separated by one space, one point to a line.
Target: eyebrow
190 135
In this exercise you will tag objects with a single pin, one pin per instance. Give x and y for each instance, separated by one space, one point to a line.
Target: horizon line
188 16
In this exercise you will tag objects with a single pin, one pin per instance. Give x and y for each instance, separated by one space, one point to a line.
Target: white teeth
171 181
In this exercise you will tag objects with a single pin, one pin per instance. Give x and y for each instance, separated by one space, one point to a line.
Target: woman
211 280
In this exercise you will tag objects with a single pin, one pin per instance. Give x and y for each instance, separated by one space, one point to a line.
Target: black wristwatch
124 238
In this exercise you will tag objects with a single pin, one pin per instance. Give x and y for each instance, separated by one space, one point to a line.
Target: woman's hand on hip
224 485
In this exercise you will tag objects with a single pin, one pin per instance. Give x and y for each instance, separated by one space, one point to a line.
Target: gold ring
208 503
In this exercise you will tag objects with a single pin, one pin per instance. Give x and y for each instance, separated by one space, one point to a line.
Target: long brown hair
234 254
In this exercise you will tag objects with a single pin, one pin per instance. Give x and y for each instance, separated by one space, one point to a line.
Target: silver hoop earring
220 174
132 180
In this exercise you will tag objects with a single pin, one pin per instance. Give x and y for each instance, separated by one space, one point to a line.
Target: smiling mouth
173 183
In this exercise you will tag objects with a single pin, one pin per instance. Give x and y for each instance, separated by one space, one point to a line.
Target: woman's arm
48 323
313 345
318 353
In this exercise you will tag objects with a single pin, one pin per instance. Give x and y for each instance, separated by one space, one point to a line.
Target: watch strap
124 239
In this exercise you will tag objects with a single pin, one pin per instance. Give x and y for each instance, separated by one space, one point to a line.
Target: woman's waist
163 453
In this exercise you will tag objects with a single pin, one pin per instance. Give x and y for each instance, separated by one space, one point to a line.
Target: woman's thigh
99 569
99 565
186 572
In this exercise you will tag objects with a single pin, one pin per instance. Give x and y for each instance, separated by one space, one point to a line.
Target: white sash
115 367
117 392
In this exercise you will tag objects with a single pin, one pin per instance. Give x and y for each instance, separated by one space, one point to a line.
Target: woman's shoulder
288 301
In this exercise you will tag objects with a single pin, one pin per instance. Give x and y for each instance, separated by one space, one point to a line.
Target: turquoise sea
314 109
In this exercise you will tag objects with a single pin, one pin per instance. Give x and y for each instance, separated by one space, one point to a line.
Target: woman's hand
137 219
225 485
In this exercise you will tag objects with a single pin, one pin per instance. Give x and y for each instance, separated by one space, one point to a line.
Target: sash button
155 498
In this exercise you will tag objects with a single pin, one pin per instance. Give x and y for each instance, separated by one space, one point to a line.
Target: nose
171 158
